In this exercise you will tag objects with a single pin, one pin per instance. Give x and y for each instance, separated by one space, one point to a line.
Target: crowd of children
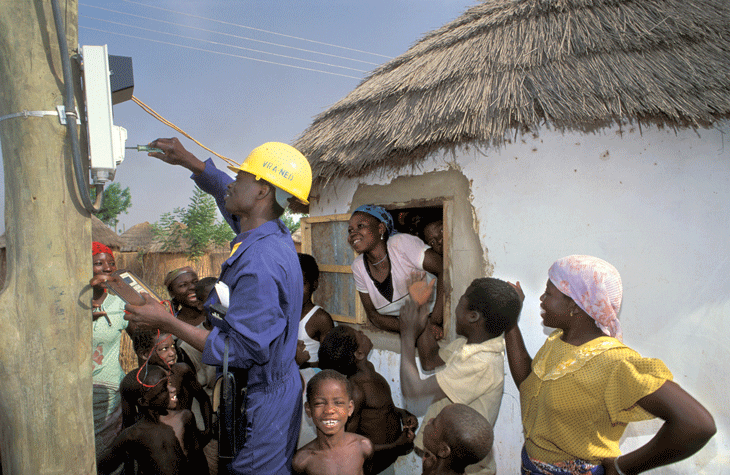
355 426
167 416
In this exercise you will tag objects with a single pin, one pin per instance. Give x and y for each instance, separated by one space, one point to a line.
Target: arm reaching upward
520 361
412 384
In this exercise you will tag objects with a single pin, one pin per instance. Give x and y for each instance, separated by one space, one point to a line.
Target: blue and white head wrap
379 213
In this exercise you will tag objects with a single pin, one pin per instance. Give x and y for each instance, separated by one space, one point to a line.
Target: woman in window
386 261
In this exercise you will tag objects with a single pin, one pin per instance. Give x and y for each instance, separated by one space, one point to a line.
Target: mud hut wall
653 202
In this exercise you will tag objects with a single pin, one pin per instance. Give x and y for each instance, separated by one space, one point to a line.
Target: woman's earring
381 237
571 314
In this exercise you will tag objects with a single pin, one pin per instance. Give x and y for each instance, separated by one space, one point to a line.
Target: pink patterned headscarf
595 285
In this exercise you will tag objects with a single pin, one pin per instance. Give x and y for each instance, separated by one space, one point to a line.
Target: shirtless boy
334 451
159 350
164 441
374 416
457 437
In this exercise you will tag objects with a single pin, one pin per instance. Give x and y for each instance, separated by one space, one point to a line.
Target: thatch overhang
138 238
102 233
515 65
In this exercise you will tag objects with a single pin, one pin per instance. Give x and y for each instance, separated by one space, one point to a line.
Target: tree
194 227
116 201
291 220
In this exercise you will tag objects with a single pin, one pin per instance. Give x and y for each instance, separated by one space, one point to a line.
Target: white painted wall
655 204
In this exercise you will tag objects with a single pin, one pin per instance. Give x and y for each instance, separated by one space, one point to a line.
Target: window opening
325 238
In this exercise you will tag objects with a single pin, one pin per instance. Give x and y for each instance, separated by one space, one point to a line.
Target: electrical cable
220 52
204 30
82 182
225 44
157 116
257 29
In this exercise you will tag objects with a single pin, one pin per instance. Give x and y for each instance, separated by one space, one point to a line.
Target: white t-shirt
406 253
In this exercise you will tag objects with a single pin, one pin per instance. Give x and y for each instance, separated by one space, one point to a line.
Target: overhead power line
227 34
256 29
223 44
220 53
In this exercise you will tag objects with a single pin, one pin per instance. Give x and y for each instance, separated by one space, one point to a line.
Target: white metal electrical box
106 141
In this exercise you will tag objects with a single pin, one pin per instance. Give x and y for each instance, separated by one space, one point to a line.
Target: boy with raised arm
470 369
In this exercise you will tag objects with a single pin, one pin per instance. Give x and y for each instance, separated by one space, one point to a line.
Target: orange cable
157 116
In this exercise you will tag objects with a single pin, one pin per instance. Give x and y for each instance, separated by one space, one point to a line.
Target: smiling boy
375 416
334 451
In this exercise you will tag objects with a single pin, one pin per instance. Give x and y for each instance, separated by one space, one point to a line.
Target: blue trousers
273 418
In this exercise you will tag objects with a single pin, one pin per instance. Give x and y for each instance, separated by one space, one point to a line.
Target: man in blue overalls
264 280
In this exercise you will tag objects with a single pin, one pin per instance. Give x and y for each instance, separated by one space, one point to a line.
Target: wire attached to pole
81 181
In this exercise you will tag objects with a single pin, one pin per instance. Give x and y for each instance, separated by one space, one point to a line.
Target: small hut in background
297 238
102 233
144 254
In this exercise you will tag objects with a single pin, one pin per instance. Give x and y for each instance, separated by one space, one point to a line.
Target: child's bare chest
174 420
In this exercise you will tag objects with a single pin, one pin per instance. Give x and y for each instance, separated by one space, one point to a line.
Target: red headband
99 248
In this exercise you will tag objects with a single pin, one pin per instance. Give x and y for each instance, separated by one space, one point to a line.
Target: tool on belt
229 400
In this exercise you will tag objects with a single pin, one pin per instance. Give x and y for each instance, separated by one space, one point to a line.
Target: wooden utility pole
46 424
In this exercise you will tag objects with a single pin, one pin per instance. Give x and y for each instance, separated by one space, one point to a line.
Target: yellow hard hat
281 165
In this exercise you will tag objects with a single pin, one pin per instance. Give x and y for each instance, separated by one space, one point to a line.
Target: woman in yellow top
584 386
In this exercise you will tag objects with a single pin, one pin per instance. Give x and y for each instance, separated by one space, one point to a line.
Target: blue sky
210 67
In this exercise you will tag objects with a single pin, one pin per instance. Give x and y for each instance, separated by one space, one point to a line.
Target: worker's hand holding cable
175 154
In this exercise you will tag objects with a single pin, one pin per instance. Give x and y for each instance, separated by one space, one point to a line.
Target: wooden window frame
306 225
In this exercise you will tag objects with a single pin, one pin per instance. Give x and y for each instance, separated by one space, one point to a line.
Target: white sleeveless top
311 344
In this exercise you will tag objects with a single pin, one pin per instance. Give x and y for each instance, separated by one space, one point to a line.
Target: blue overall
266 288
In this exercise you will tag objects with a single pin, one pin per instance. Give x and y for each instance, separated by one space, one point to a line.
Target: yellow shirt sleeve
632 379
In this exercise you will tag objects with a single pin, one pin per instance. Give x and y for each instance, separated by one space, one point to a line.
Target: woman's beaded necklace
380 261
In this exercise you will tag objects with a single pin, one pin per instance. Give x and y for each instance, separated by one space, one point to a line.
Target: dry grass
127 356
507 65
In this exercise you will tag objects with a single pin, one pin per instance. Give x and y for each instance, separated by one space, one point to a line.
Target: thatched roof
100 232
508 65
137 238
